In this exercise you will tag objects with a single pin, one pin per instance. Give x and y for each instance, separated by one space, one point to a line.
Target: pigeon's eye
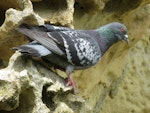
122 29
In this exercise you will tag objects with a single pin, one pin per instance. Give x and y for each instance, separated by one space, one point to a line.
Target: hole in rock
47 97
85 7
47 8
120 6
3 63
2 15
6 4
83 14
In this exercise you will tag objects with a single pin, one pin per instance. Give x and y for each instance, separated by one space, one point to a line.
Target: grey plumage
70 49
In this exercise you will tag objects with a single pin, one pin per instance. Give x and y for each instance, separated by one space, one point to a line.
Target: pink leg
70 82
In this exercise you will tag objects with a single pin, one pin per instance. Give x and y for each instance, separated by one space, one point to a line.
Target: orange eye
122 29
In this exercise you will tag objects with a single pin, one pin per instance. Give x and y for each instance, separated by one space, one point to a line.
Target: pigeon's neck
106 39
108 35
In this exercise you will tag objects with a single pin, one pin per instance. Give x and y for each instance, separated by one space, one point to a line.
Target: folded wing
78 47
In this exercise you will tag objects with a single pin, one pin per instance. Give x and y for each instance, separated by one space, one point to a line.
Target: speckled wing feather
80 48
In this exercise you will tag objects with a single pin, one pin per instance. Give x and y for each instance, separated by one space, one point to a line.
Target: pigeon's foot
70 82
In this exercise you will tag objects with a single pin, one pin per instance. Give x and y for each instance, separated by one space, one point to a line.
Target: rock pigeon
70 49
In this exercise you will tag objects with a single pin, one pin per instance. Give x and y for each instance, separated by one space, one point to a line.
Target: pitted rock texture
119 83
27 86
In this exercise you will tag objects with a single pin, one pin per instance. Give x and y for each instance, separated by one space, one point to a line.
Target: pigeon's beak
126 38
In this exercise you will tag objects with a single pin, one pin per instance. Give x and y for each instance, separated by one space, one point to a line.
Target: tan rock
58 12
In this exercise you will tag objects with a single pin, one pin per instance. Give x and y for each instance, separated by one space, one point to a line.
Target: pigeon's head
119 30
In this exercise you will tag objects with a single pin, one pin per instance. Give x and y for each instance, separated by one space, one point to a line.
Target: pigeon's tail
33 49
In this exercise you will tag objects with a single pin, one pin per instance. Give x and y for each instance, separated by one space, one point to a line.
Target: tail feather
34 50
